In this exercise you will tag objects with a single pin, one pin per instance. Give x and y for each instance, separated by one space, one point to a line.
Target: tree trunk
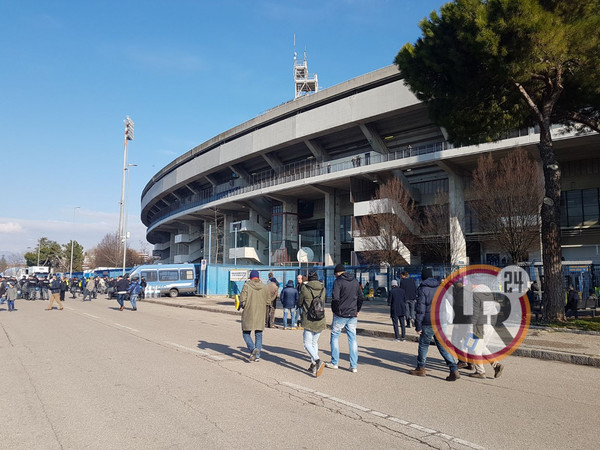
553 295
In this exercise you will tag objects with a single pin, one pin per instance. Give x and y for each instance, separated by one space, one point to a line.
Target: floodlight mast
128 137
304 83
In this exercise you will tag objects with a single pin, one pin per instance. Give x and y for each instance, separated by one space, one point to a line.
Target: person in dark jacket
63 288
289 301
571 306
55 293
410 291
121 287
397 302
312 328
273 286
424 328
346 302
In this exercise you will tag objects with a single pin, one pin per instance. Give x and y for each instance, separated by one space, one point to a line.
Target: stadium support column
458 244
456 212
290 227
205 240
332 226
227 239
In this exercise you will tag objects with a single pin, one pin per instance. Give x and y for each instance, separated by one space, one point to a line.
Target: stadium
289 185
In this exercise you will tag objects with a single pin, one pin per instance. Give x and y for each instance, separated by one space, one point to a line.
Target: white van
168 279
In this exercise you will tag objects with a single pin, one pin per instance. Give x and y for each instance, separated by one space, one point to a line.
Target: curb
526 352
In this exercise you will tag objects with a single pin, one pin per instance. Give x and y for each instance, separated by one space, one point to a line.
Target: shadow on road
237 353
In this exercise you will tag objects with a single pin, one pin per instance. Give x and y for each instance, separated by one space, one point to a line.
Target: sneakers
477 375
453 376
319 366
311 368
353 369
498 370
330 365
253 355
419 372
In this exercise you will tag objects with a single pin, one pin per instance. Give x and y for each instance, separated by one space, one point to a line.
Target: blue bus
168 279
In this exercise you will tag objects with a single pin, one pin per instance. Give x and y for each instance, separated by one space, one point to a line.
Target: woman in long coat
397 302
254 299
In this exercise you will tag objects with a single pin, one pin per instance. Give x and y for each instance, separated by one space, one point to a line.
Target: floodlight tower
304 83
128 137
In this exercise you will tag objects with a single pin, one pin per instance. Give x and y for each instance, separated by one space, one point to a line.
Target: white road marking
195 350
129 328
386 416
91 315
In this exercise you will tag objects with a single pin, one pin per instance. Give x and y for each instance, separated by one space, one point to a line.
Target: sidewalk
374 320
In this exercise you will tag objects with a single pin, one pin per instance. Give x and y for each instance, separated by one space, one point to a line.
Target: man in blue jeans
346 301
425 295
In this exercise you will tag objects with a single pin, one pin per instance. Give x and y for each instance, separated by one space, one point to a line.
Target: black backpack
316 310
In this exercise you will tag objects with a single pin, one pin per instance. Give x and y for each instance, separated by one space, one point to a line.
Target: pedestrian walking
273 287
254 298
314 324
55 293
289 302
425 294
397 303
572 300
346 302
44 284
88 292
63 288
11 295
410 291
121 287
134 290
301 280
485 314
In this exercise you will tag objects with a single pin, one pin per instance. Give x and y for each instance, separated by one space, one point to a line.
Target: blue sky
183 70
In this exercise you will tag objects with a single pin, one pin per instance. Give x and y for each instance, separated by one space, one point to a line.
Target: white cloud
88 228
10 227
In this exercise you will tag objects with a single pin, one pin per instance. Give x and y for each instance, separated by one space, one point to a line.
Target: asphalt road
91 376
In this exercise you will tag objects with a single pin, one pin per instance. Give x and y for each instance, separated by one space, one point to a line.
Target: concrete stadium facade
297 177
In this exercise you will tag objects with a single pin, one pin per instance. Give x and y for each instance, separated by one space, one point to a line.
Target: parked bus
169 279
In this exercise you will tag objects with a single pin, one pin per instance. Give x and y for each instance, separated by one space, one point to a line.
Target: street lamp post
72 242
39 245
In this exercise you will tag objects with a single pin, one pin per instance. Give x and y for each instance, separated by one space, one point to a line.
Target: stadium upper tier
366 128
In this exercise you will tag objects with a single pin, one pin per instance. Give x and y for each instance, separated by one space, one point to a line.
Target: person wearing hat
346 301
254 299
312 328
397 302
289 301
425 294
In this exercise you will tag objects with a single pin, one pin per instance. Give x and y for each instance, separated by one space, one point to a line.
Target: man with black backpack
346 302
312 303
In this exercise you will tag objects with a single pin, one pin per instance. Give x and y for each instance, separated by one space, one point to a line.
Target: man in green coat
312 328
254 299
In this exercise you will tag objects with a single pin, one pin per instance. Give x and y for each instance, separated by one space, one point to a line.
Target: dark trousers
402 325
62 296
270 314
571 310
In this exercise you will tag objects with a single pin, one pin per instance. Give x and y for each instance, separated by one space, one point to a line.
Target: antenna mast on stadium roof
304 83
